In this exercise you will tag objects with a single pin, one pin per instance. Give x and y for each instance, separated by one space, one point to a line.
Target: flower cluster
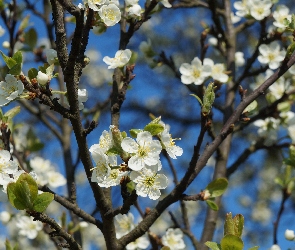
197 72
141 158
124 224
258 9
46 173
108 10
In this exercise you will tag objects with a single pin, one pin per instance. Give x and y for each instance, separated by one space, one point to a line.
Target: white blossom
217 70
242 8
5 217
148 182
113 179
46 173
267 130
92 4
7 166
82 97
55 179
259 9
2 31
213 41
173 239
239 59
234 18
110 14
131 2
51 54
42 78
271 55
279 87
134 11
6 45
169 143
10 89
102 163
140 243
121 58
275 247
195 72
124 224
166 3
145 151
289 235
279 15
28 227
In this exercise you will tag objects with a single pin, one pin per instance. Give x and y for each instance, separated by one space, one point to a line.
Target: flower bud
42 78
289 235
6 45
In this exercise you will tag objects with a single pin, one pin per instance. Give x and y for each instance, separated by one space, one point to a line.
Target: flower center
196 73
110 14
149 181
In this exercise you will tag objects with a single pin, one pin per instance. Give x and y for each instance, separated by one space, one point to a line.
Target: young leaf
198 98
12 197
234 226
231 242
12 112
254 248
31 38
212 205
32 73
18 57
154 129
217 187
8 60
134 132
16 69
42 202
213 245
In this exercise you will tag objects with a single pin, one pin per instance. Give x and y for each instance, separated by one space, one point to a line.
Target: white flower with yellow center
113 179
148 182
242 8
92 4
121 58
6 165
110 14
102 164
217 70
145 151
169 144
281 13
28 227
10 89
195 72
259 9
124 224
105 141
271 54
173 239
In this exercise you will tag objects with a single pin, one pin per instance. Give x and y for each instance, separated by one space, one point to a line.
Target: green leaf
234 226
217 187
12 196
31 38
213 245
113 151
290 50
134 132
50 70
8 60
24 23
251 107
154 129
32 73
16 69
212 205
231 242
254 248
198 98
12 112
32 185
18 57
208 98
42 202
19 193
